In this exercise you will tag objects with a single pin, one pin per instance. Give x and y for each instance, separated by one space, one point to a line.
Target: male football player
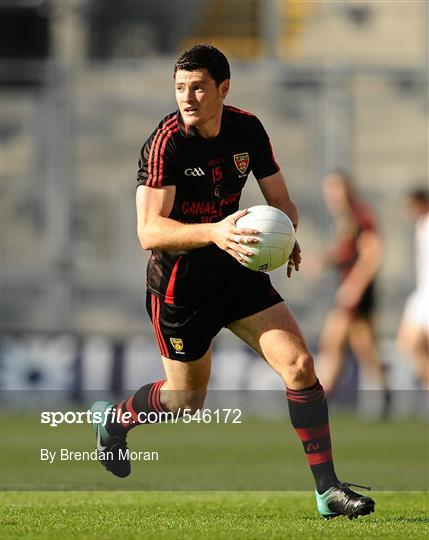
192 170
355 252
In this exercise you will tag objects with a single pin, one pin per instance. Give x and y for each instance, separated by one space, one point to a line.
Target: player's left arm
363 271
275 192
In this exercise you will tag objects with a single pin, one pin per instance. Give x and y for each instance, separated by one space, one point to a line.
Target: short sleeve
157 162
262 160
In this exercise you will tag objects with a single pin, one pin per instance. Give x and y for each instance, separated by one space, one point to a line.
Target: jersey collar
186 131
189 131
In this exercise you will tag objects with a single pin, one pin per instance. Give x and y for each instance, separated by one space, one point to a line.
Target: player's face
335 193
199 99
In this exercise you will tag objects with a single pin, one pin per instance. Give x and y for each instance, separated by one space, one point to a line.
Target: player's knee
300 369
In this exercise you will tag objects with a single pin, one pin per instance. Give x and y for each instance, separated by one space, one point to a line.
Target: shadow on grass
368 519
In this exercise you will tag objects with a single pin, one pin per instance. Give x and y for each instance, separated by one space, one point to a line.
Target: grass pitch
257 455
210 515
264 458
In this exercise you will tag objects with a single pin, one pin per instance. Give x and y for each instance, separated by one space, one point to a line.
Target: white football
276 238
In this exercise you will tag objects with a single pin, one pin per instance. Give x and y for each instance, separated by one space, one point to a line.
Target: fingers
239 214
297 262
249 232
246 236
235 254
239 248
294 259
243 238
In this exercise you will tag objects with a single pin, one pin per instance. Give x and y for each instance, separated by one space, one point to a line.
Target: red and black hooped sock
309 416
144 407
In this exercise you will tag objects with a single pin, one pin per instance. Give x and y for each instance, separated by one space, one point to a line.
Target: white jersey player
414 330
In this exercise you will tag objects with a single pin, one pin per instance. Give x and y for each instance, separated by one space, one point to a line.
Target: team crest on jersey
177 344
242 161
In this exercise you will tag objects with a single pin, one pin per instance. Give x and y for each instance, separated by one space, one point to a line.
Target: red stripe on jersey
160 173
154 145
317 432
152 177
165 135
169 293
158 143
158 302
236 109
151 155
320 457
156 324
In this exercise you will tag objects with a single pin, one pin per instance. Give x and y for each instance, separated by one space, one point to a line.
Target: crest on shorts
177 343
242 161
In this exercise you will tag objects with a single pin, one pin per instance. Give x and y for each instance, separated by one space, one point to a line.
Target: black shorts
367 303
185 332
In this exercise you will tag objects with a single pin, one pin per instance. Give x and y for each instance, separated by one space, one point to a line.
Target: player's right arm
156 230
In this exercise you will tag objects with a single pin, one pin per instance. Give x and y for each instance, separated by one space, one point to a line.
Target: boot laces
349 484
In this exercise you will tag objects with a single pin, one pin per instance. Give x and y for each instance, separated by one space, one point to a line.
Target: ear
224 88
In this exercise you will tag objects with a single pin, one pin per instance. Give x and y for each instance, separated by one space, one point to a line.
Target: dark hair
420 195
205 57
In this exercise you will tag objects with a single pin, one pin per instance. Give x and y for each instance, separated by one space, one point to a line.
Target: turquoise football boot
112 451
342 501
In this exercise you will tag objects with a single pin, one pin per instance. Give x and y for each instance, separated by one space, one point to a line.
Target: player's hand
230 238
294 259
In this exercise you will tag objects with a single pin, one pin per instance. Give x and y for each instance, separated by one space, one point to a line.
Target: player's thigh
412 336
335 329
414 327
184 334
275 335
191 375
361 338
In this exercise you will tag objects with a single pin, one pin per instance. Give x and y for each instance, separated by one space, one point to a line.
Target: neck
211 128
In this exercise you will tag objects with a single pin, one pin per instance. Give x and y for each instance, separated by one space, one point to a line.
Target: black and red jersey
209 175
344 251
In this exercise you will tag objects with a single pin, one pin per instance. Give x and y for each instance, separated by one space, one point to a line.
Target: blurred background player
355 252
413 336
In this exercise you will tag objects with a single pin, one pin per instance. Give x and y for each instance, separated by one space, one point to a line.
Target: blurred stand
84 83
